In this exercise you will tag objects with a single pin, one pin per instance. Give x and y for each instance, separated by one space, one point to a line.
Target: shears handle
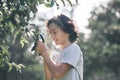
39 38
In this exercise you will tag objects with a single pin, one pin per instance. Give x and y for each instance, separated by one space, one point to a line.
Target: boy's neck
66 44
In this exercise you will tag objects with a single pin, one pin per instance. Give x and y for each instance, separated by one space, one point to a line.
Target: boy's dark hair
66 24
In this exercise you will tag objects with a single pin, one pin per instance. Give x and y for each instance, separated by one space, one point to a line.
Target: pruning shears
38 38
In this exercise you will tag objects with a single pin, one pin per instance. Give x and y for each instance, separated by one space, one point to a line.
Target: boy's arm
48 74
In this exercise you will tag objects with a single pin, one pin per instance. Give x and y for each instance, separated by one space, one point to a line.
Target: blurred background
98 22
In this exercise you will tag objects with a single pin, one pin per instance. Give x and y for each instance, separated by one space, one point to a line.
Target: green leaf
76 1
18 66
23 41
63 2
69 2
52 3
10 66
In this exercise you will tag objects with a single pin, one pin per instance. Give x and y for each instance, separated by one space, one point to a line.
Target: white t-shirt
71 55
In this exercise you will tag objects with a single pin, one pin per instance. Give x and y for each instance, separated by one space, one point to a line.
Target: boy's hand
40 47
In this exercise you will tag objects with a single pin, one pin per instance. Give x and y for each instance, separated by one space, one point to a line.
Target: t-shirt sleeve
72 56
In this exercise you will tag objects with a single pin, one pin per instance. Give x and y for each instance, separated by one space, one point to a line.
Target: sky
81 14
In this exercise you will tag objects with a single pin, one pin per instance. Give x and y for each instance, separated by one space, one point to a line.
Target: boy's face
57 34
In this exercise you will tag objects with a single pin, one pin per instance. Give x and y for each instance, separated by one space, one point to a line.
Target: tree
101 49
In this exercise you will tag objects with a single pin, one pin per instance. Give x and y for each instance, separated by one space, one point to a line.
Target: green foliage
101 49
4 56
17 66
51 3
14 16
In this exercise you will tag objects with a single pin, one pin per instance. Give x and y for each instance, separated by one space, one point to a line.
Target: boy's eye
54 32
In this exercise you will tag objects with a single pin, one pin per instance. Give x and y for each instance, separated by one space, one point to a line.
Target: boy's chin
57 44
